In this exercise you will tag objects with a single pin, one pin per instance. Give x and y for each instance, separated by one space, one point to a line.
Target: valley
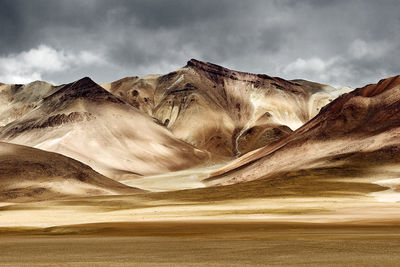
202 156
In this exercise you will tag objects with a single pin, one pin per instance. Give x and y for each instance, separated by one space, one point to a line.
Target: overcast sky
334 42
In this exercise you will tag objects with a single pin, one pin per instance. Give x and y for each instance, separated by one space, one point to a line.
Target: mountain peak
84 88
206 65
84 81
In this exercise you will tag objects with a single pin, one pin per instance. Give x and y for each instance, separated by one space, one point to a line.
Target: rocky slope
29 174
357 134
225 112
18 99
85 122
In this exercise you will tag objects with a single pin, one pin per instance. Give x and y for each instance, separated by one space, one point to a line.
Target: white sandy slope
392 194
110 136
171 181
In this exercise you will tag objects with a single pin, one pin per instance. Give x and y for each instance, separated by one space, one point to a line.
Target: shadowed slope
28 174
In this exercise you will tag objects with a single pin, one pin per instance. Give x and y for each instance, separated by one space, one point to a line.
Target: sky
339 42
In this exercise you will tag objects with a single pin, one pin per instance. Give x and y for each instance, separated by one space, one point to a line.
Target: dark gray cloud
336 42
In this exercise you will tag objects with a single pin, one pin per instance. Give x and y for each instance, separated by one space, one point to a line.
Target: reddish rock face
372 108
218 74
383 85
362 126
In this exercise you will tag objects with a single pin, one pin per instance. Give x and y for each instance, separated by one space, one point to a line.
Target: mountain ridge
346 125
243 108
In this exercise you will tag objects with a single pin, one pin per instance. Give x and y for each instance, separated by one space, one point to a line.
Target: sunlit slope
85 122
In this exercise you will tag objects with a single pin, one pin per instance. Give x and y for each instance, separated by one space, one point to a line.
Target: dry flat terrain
205 244
297 221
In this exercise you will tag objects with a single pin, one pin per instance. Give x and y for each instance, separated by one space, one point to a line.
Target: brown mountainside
360 129
223 111
29 174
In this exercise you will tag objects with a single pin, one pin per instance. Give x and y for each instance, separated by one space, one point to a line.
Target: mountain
225 112
357 135
83 121
29 174
18 99
198 115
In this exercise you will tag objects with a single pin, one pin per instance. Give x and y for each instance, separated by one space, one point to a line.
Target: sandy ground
389 195
305 221
204 244
180 180
295 200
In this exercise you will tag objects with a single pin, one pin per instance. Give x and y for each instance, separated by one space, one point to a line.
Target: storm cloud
334 42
